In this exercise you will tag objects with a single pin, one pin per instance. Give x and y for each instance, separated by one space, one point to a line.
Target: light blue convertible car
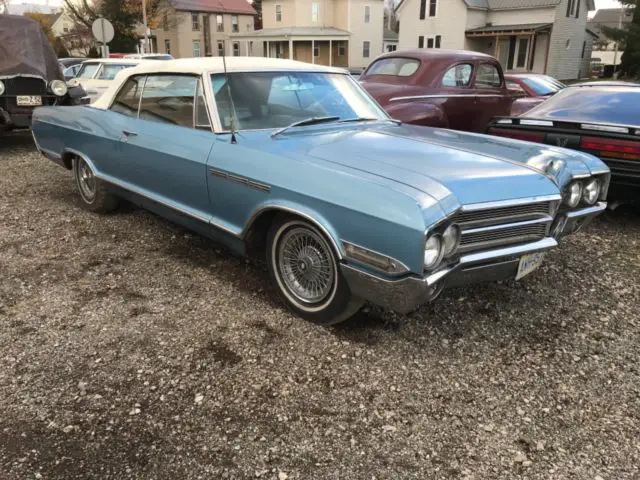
296 164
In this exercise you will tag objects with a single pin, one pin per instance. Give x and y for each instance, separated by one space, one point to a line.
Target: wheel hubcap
306 265
86 181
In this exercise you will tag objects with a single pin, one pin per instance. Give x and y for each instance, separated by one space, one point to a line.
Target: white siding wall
450 22
540 55
521 16
476 18
565 62
361 32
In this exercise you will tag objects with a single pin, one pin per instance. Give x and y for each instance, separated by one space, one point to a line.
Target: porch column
313 57
290 48
330 54
247 48
529 64
495 47
268 50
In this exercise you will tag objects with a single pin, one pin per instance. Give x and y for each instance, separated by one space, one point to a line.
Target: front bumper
405 294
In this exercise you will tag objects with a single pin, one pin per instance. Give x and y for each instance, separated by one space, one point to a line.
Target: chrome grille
483 229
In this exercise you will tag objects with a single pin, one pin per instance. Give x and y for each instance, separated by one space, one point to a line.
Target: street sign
102 30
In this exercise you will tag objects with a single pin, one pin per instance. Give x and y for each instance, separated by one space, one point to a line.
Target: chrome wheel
306 266
86 181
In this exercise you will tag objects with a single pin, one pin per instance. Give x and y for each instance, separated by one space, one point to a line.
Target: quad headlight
1 87
433 251
450 239
573 194
591 191
58 87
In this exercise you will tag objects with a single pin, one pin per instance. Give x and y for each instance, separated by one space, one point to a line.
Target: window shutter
578 9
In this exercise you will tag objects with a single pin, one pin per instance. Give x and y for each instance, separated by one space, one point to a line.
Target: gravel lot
131 348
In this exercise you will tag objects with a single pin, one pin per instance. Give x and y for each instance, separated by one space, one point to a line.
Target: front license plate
529 263
29 100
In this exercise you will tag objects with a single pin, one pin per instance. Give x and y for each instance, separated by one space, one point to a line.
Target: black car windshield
267 100
608 105
542 85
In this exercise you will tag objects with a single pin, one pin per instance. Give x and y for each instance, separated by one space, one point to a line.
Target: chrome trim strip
600 172
216 172
583 212
402 267
306 216
604 128
50 153
505 226
510 203
422 97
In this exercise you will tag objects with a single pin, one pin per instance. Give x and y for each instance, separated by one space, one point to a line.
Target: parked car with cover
599 118
96 75
295 164
456 89
30 75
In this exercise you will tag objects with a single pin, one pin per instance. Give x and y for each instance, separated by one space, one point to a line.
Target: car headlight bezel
433 251
59 88
2 87
573 194
594 186
451 239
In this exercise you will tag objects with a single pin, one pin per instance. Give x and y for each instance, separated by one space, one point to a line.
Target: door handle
129 134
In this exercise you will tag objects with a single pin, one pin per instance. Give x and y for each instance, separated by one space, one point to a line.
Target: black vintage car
30 75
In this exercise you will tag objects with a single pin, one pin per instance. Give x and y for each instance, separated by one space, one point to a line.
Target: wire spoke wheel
86 181
306 265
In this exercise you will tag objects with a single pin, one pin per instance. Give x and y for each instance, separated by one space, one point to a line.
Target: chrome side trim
216 172
443 95
503 226
508 203
306 216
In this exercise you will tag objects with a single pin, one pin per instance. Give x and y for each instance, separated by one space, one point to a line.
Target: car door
458 102
163 150
492 96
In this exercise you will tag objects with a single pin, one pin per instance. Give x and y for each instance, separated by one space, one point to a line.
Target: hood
25 50
414 157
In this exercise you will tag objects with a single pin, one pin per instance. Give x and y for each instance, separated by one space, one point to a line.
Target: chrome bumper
406 294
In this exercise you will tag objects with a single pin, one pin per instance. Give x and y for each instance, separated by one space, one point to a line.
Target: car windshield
88 70
110 70
542 85
396 66
268 100
608 105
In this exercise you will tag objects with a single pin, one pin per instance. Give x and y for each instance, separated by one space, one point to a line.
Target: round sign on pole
102 30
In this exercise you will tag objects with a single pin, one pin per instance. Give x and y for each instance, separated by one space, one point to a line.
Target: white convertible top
200 66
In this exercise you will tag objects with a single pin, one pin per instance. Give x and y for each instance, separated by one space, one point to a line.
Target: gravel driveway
131 348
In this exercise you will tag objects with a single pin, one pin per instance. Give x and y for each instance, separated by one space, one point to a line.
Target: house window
573 8
423 9
432 8
278 13
165 21
341 49
316 50
65 29
220 49
513 52
367 14
234 23
523 49
584 47
365 49
236 49
219 24
315 11
421 41
195 22
438 40
429 42
196 48
167 46
391 48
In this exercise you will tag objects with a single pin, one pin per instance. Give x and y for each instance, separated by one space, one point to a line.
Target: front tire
305 270
93 191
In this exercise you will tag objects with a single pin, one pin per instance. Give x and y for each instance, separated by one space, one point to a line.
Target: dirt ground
131 348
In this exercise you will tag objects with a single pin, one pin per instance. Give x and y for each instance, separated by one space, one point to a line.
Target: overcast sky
599 3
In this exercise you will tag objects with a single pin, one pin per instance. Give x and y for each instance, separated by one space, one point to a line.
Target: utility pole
146 29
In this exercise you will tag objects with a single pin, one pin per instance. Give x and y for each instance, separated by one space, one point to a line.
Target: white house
543 36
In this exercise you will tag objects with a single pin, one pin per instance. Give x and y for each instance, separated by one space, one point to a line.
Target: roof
591 32
390 35
215 6
509 28
432 53
202 65
611 15
513 4
296 32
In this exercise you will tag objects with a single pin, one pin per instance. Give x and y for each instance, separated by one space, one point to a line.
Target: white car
96 75
150 56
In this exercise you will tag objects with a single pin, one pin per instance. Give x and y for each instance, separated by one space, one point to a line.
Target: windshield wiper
306 121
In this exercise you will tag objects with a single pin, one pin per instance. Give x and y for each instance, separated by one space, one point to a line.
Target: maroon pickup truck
455 89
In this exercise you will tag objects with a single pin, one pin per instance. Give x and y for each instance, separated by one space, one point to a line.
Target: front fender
419 113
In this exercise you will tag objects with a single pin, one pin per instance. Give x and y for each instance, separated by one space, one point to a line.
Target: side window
457 76
202 120
169 99
488 76
128 98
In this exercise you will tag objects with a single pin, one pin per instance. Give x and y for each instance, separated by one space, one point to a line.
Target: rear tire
305 270
94 195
